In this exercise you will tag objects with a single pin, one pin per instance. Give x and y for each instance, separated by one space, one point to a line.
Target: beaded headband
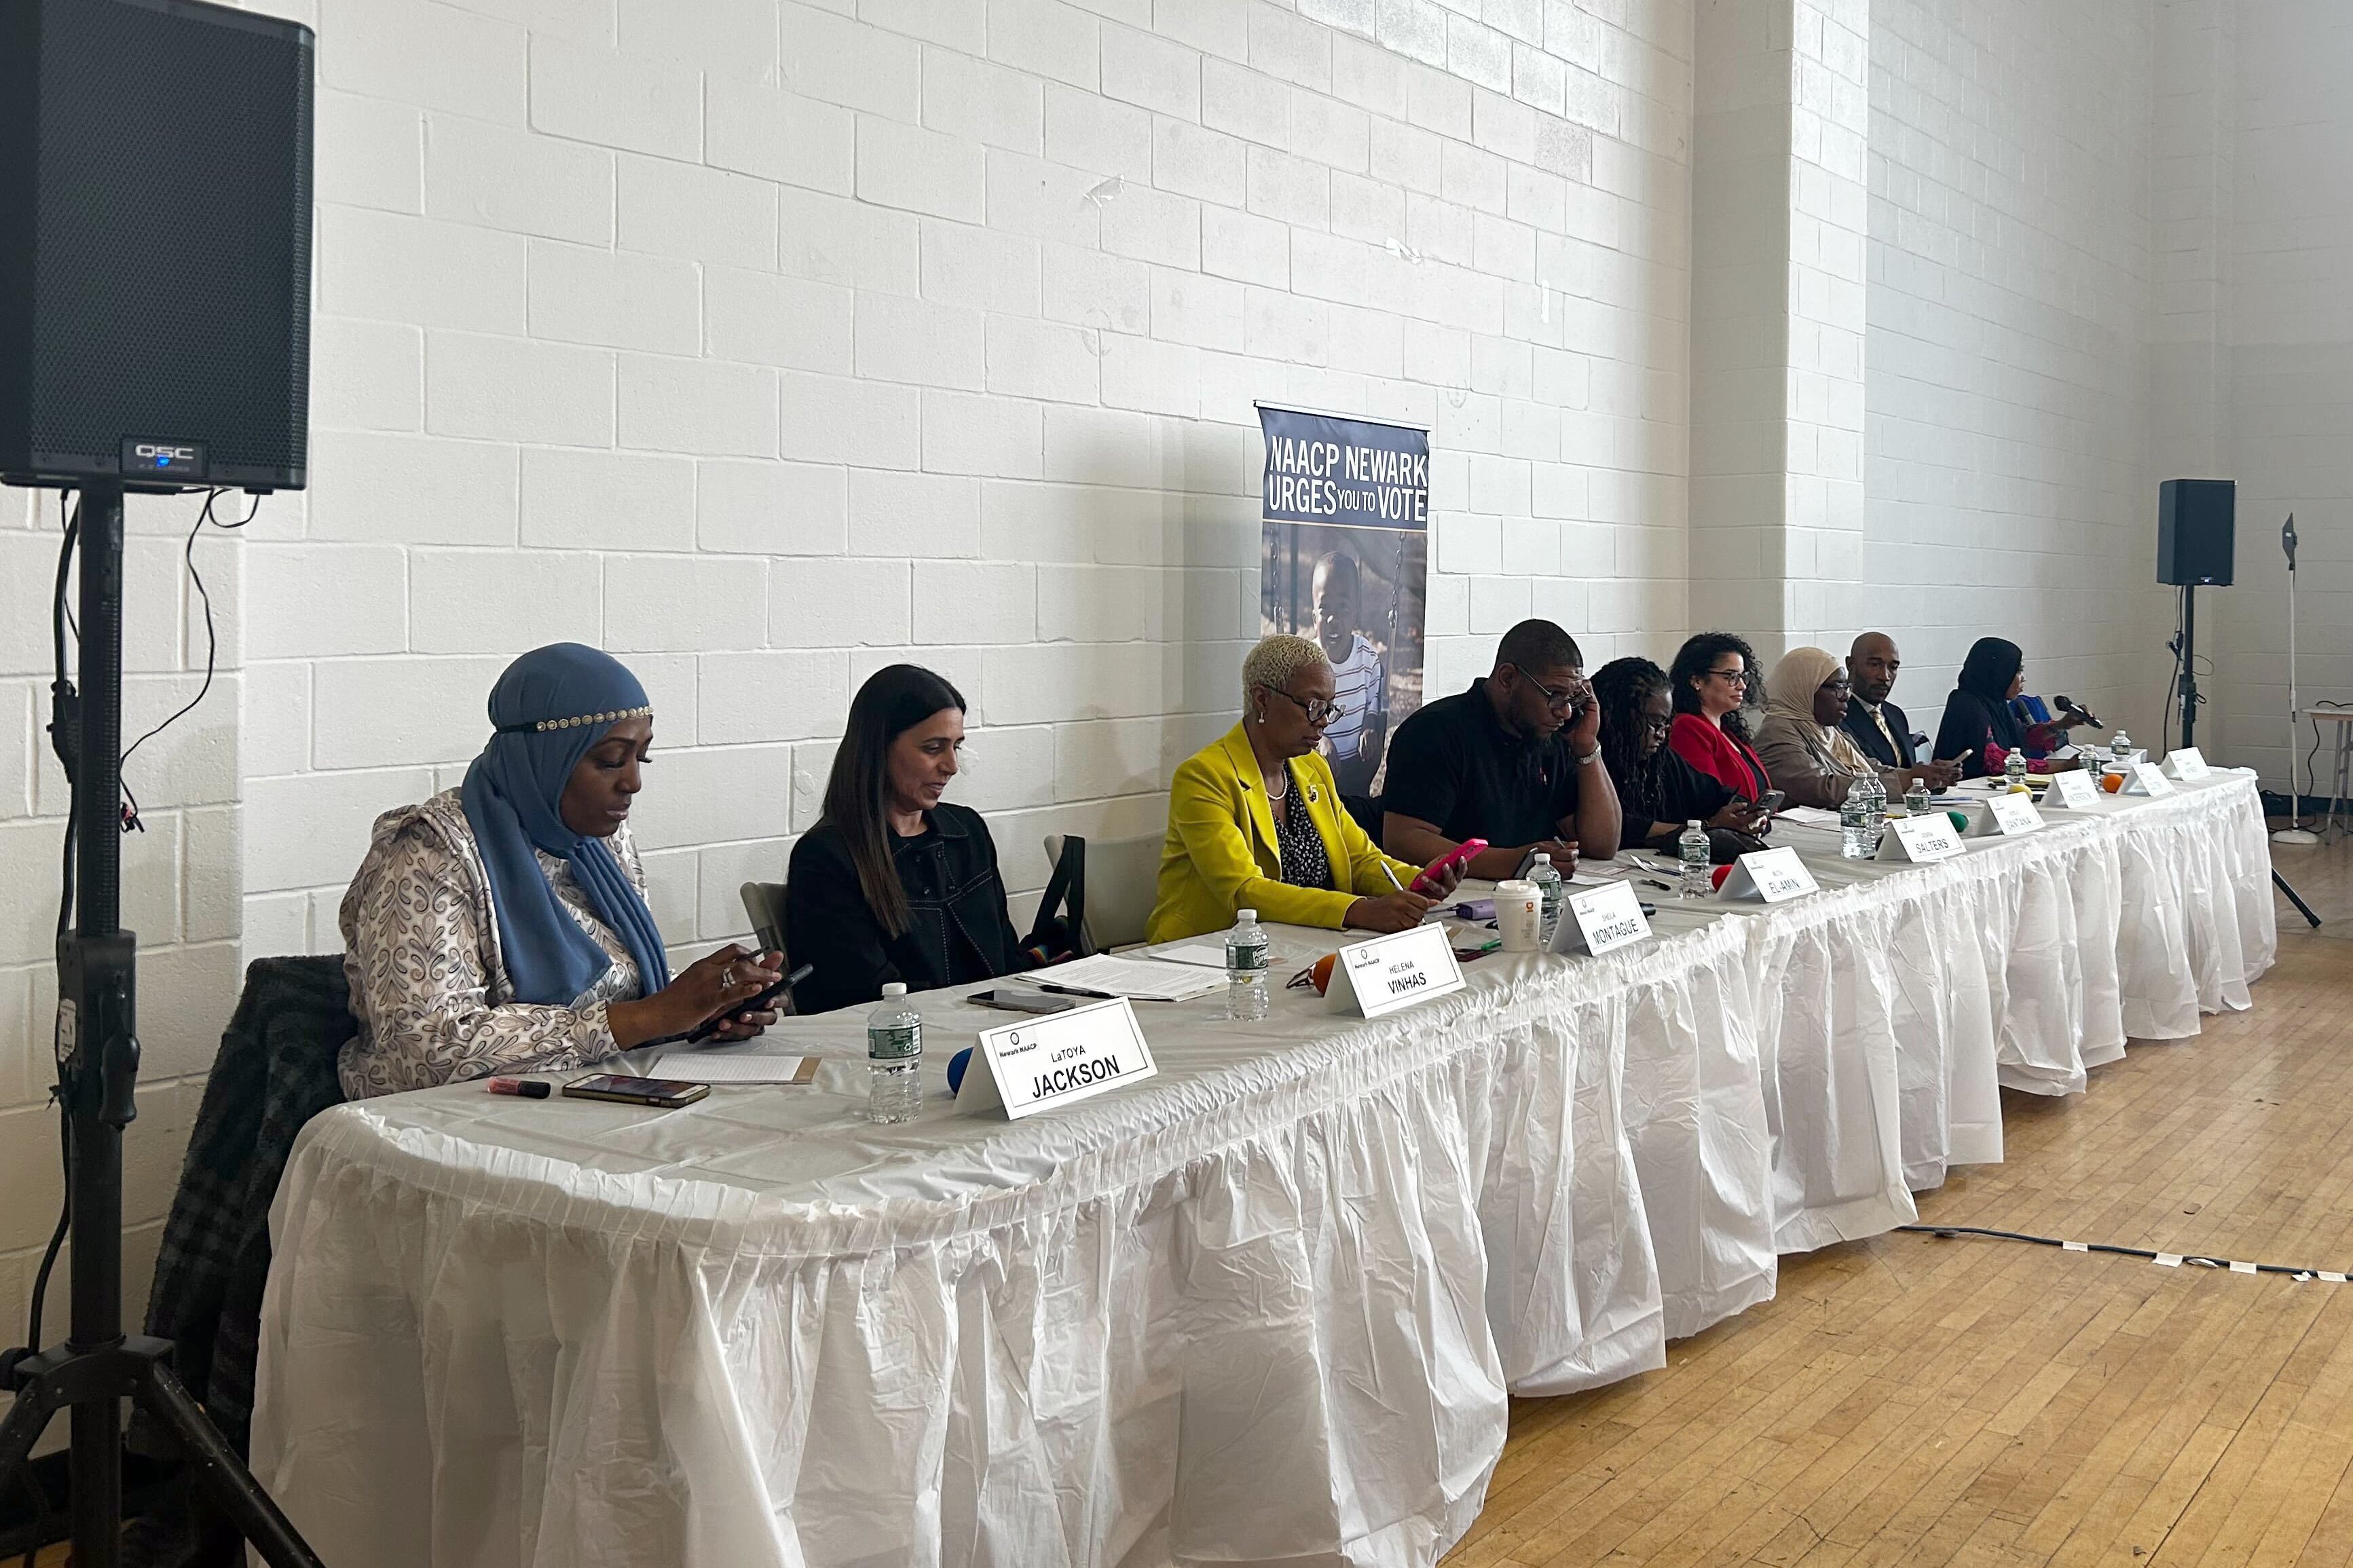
607 717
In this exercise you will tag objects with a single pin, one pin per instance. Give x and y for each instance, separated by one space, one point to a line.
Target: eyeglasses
1559 701
1318 713
1737 677
1654 722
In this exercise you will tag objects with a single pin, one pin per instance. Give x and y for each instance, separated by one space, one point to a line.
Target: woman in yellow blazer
1255 821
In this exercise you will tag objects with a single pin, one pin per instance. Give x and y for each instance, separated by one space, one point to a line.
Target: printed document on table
709 1067
1205 954
1138 978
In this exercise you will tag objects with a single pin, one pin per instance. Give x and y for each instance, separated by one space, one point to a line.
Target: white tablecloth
1265 1307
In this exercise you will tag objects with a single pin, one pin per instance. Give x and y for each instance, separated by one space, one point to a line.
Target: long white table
1267 1306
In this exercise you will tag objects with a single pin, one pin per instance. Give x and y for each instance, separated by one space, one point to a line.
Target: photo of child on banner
1343 558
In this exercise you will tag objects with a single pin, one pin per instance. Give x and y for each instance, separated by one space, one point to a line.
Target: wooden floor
1914 1401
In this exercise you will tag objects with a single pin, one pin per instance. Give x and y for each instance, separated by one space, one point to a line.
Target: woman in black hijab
1978 714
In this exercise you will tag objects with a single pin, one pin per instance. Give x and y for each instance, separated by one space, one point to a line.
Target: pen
1076 991
1392 876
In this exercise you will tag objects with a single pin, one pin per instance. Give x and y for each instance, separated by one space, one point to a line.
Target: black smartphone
710 1026
1023 1002
1771 800
661 1093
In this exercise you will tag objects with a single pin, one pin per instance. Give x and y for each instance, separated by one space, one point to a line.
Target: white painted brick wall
2012 490
770 343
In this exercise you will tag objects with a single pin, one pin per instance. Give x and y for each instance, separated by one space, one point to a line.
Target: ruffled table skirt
1266 1308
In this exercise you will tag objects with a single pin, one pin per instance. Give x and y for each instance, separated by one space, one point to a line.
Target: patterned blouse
429 988
1306 863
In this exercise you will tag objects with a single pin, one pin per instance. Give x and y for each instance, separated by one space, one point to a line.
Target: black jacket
1866 735
960 931
1971 724
275 1070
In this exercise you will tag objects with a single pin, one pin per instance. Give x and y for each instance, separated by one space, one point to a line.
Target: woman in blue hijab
502 926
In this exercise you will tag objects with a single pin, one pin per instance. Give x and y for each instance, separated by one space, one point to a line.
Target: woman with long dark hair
1658 791
893 882
1712 676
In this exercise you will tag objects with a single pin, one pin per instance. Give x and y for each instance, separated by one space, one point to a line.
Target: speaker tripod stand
2188 690
98 1069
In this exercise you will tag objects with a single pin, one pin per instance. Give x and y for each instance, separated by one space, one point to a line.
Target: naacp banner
1343 557
1320 469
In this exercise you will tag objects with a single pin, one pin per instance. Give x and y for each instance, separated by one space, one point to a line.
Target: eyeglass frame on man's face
1559 701
1328 708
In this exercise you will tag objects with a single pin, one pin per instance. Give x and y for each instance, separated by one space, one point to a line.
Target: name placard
1776 875
2008 816
1924 839
2147 778
1060 1058
2078 790
2185 763
1378 977
1601 919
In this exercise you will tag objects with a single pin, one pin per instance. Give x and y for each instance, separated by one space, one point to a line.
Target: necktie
1881 719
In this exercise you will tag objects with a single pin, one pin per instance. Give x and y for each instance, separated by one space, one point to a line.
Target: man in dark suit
1878 726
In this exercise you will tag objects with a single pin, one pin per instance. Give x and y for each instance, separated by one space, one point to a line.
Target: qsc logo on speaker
179 460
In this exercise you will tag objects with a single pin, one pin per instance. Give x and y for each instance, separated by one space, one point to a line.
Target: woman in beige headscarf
1802 744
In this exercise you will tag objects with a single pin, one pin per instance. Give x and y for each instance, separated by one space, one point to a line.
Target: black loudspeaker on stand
2196 540
154 335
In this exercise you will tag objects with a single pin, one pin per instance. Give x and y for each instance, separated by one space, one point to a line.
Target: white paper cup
1519 915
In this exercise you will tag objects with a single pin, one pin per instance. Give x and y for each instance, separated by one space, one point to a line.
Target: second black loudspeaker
2195 522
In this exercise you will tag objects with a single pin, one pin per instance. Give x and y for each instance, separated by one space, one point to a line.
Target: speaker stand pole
2295 832
2188 688
99 1366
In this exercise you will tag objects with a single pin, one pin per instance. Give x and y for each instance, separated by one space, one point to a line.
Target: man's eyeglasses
1318 713
1559 701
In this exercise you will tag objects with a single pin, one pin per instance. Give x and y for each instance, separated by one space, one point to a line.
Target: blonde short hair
1276 659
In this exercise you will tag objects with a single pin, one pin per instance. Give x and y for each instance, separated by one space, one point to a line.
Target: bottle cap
893 988
1246 917
1691 823
1541 857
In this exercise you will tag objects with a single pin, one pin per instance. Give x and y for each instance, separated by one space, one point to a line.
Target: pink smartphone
1462 855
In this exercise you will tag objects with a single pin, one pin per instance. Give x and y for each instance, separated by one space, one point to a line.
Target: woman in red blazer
1711 676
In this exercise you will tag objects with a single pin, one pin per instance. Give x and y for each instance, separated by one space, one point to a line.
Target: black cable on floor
2166 1259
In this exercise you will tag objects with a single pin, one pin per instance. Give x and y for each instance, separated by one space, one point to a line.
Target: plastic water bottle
1691 848
1856 840
1916 798
1246 998
1553 890
2119 750
1874 805
2013 770
894 1058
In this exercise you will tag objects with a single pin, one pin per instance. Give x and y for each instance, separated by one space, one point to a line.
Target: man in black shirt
1516 760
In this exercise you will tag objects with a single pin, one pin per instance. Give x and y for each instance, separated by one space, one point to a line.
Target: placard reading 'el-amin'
1323 470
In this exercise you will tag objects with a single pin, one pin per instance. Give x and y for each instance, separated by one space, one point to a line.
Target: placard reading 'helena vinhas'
1323 469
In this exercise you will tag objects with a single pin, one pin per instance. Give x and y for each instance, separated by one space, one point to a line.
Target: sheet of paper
1205 954
1808 816
1141 978
710 1067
